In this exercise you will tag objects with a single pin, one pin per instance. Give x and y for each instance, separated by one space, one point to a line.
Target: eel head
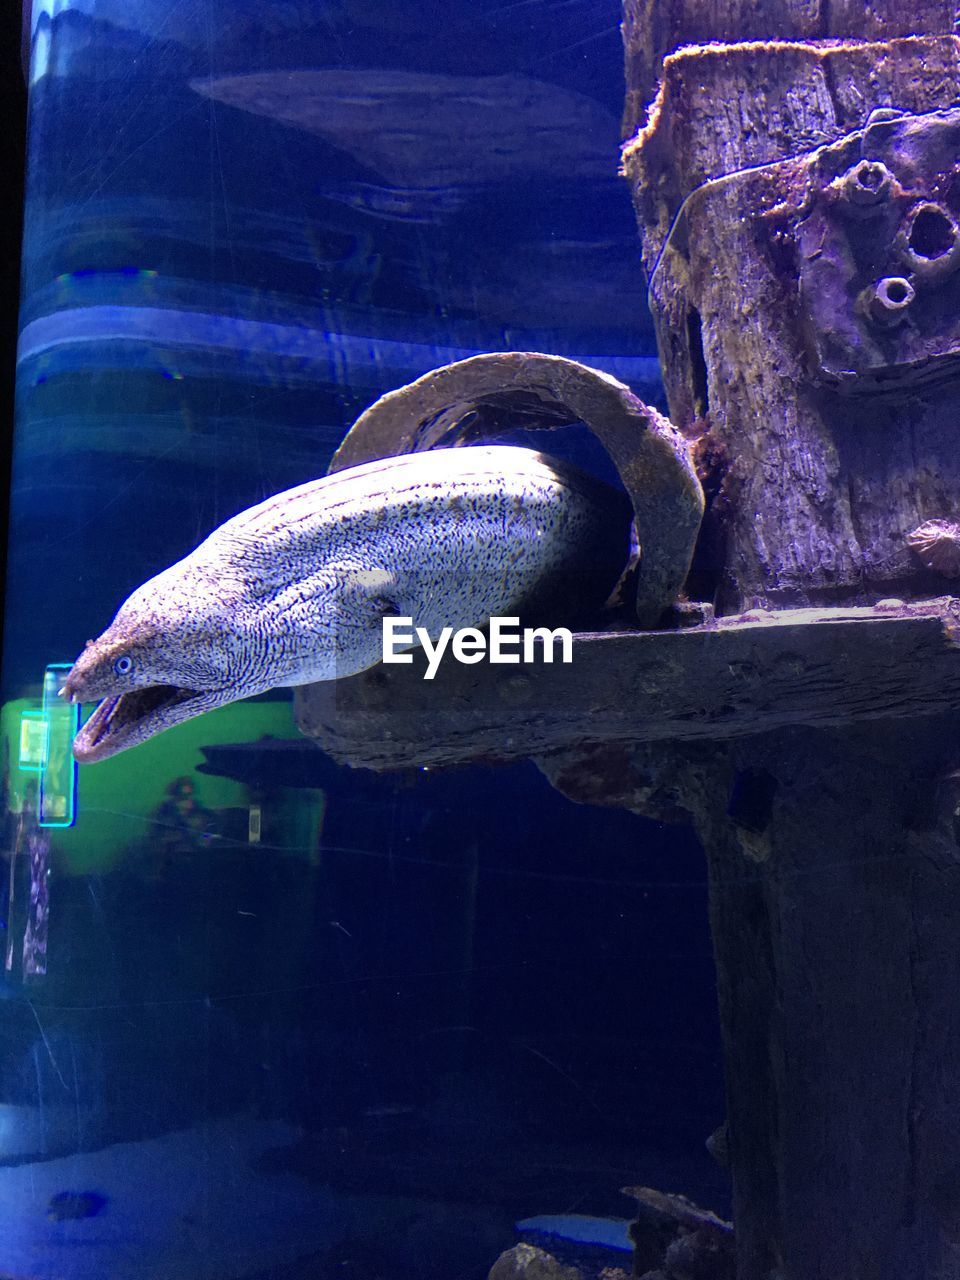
149 672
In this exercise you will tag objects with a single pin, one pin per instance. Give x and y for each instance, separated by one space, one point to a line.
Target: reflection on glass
264 1015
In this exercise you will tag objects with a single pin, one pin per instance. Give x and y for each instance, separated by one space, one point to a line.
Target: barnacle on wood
864 187
889 299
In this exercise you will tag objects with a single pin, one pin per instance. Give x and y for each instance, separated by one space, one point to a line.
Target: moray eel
295 589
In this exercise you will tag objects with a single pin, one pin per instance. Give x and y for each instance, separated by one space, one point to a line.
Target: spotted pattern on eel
294 590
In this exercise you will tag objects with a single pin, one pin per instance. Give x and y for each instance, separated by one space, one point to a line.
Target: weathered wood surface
834 867
652 30
728 107
824 406
798 211
741 676
831 434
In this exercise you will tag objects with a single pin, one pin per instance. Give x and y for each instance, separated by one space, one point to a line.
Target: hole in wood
870 176
897 291
932 234
751 800
698 365
929 243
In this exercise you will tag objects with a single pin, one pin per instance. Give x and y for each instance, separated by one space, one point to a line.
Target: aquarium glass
265 1014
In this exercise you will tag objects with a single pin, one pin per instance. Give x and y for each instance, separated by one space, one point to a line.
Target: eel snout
72 687
93 676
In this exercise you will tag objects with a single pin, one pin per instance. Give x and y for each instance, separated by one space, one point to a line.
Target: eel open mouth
129 718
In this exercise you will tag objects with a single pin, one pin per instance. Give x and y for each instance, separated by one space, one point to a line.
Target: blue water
421 1007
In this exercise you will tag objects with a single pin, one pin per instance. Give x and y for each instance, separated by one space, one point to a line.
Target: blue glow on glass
58 775
145 331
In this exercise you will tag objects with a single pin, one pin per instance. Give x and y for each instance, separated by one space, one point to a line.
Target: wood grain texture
834 864
827 433
652 30
743 676
837 976
724 108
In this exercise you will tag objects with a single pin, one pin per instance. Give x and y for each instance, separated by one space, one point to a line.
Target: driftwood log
821 178
797 186
655 29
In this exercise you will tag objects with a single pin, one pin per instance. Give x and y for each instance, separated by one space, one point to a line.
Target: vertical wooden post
835 915
799 208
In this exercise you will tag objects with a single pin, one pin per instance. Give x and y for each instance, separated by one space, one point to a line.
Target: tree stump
824 404
798 203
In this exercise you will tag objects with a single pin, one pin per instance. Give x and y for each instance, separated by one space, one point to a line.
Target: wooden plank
743 675
835 932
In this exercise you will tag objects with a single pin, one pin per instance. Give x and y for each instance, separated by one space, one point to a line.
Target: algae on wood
798 210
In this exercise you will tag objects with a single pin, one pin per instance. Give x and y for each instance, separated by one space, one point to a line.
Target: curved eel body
295 589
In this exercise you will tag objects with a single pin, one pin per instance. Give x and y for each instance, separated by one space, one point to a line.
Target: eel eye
123 665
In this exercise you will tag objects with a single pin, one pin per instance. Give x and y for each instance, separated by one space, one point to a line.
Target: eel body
295 590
